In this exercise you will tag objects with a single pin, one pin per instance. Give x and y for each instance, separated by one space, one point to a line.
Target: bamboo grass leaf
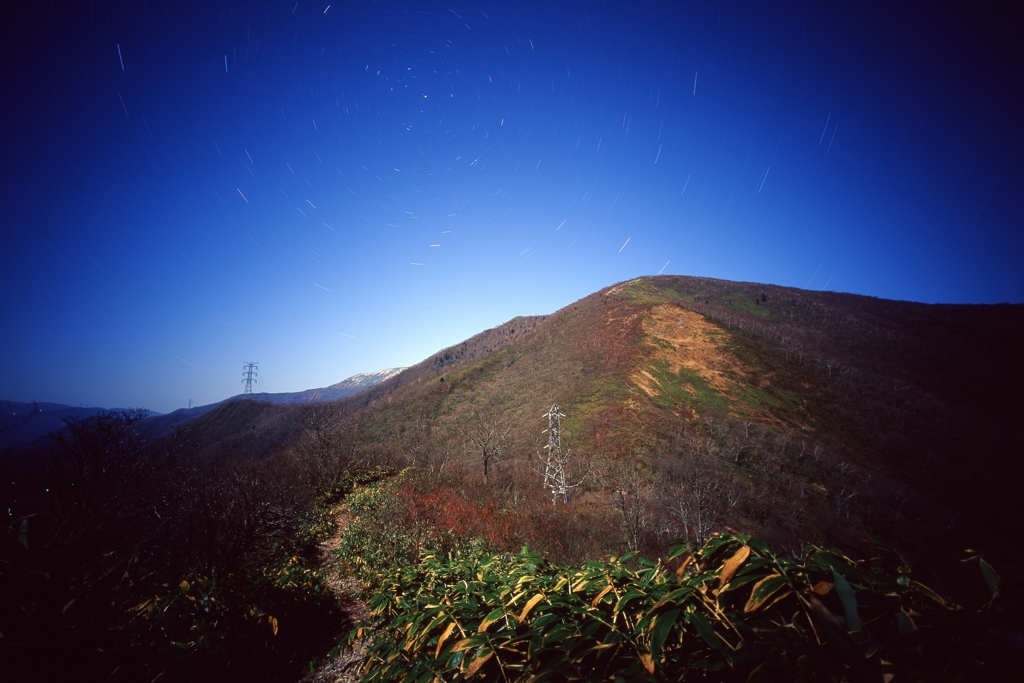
672 597
849 601
642 620
444 637
648 662
930 593
514 598
740 581
907 625
478 662
704 629
631 594
494 616
731 565
763 590
777 598
530 605
468 643
661 628
607 589
544 619
991 578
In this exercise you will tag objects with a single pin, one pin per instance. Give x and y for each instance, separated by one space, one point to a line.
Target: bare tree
446 444
632 505
415 443
98 464
630 497
843 485
321 446
694 490
487 439
898 497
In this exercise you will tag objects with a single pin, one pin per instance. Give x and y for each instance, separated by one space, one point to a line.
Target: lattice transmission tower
250 376
556 476
554 430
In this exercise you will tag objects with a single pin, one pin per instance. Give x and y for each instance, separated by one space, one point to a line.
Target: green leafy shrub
733 610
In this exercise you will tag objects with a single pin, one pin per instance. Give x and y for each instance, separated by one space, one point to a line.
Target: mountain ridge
830 410
693 412
820 416
28 422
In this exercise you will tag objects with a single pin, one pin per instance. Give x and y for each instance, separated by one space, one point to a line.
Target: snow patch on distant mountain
345 387
366 379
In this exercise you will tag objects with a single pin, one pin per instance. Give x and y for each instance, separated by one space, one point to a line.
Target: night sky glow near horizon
342 187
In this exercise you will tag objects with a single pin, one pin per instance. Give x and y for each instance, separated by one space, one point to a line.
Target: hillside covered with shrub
801 416
655 420
444 605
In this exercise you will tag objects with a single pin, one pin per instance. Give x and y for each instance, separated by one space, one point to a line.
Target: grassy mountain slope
691 406
826 417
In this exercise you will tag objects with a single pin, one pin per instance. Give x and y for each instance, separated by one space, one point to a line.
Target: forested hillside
667 418
807 416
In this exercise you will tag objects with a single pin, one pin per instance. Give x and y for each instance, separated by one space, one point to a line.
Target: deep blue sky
190 185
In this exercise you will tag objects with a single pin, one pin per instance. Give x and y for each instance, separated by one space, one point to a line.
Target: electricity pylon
556 478
250 376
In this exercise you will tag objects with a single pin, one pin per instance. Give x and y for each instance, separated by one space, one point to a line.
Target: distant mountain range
346 387
22 423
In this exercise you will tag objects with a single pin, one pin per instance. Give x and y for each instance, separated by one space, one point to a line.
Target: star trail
340 188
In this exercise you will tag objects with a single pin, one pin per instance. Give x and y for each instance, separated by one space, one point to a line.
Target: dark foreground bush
116 616
133 560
